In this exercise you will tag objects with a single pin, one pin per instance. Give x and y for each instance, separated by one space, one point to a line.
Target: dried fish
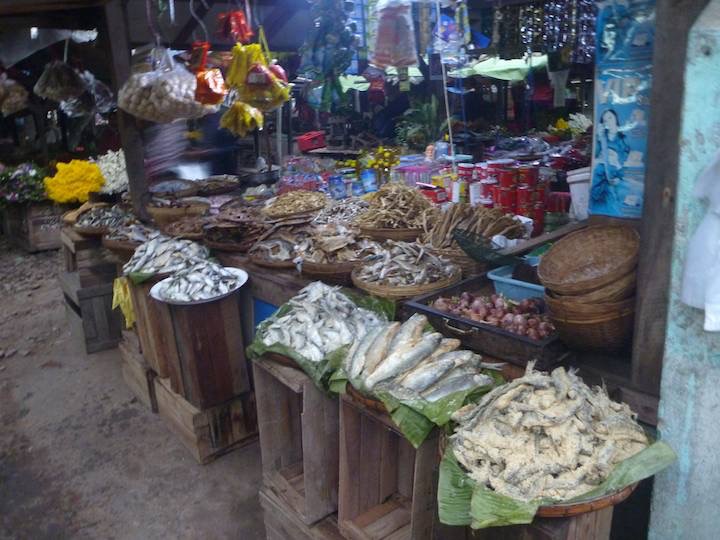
295 202
135 232
102 217
402 264
278 244
396 206
204 280
188 226
344 211
239 226
321 319
334 243
163 255
545 436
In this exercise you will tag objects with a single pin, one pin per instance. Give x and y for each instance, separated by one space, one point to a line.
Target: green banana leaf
461 501
139 277
320 372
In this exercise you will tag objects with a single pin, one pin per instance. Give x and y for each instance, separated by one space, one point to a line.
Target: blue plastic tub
513 288
262 310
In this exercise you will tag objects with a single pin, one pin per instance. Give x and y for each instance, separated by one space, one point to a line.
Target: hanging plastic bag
395 39
96 98
210 89
234 25
243 56
59 82
701 277
266 87
13 96
163 95
241 118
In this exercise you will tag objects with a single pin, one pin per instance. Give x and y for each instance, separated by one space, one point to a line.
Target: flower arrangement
74 181
23 183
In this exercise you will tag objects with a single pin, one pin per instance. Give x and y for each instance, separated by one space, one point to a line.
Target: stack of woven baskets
590 278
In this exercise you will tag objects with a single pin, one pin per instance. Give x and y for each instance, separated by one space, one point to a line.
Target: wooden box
211 432
283 523
85 255
34 226
299 431
388 490
136 372
211 368
90 312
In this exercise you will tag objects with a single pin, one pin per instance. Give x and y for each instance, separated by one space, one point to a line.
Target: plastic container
512 288
311 141
579 193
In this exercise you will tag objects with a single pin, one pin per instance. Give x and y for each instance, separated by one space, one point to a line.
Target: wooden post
115 26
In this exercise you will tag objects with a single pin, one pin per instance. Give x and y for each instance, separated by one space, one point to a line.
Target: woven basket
566 308
399 235
589 259
226 246
90 231
563 510
261 261
397 292
337 273
470 267
164 216
614 292
612 332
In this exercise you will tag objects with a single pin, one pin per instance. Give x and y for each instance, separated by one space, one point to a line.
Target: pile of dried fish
239 226
486 222
545 436
203 280
104 217
159 202
334 243
344 211
396 206
185 227
295 202
163 255
136 233
402 264
321 319
279 244
401 359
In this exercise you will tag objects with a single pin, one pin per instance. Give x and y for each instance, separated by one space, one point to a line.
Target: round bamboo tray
612 332
165 216
261 261
337 273
396 292
589 259
180 188
90 231
122 248
614 292
469 266
370 403
563 510
399 235
565 308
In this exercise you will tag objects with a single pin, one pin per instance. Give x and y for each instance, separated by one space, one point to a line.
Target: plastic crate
513 288
311 141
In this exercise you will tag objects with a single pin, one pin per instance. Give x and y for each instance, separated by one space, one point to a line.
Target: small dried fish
334 243
203 280
295 202
163 254
239 226
278 244
402 264
344 211
136 232
396 206
101 217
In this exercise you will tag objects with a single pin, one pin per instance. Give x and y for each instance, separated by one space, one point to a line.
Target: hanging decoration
395 41
211 88
236 25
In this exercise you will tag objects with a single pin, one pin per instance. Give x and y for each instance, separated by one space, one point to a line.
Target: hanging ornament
210 88
233 25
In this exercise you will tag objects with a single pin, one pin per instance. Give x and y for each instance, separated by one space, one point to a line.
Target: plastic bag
210 89
395 40
701 277
163 95
13 96
241 118
59 82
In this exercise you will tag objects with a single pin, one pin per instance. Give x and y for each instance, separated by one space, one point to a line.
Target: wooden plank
393 516
372 440
137 375
406 468
290 377
424 499
350 460
280 485
282 523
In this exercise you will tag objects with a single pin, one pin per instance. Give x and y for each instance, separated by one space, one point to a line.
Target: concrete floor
80 457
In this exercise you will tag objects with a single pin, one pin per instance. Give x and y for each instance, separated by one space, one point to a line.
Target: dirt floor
80 457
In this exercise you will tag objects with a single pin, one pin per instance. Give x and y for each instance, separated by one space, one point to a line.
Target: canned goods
507 197
500 163
524 195
538 217
487 203
466 170
486 188
507 178
528 175
481 171
524 210
475 193
495 191
540 194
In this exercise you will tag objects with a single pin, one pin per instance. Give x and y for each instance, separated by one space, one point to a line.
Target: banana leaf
462 501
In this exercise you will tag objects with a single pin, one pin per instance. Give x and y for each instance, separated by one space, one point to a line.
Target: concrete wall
685 496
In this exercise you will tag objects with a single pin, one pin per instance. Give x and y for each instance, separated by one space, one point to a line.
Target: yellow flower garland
74 181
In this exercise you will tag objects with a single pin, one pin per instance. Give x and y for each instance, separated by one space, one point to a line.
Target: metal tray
484 338
156 289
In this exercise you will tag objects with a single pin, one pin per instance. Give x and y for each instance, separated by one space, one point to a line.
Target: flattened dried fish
162 255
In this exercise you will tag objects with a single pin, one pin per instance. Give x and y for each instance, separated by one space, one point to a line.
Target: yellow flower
74 181
562 124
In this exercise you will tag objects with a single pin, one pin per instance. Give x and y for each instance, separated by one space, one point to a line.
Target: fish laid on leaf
320 320
204 280
404 264
164 255
545 436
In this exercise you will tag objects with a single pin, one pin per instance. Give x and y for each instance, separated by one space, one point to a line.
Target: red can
524 210
528 175
507 197
486 188
540 194
481 171
538 219
495 190
509 209
524 194
558 201
466 170
488 203
507 178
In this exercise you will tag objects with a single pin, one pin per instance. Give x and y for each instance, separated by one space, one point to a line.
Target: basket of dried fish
344 211
165 211
295 203
396 212
100 219
276 248
124 240
175 188
188 227
217 185
403 270
234 229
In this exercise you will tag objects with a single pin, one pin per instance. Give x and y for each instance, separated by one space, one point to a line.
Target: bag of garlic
163 95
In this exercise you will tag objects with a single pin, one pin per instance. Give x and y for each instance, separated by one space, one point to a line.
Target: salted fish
357 361
409 333
403 359
458 382
379 349
433 368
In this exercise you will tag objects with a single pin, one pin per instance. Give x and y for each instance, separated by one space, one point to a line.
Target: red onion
508 319
493 320
518 319
532 322
533 334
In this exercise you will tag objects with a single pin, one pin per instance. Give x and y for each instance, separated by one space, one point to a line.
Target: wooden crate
388 490
207 433
85 255
299 432
156 334
210 355
282 522
34 226
90 312
136 371
590 526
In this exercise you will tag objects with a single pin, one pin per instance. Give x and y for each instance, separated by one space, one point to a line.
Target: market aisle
79 456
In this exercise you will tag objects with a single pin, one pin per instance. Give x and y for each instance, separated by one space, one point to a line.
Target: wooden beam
674 19
11 7
116 34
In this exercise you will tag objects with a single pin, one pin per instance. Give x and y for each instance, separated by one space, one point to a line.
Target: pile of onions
522 318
